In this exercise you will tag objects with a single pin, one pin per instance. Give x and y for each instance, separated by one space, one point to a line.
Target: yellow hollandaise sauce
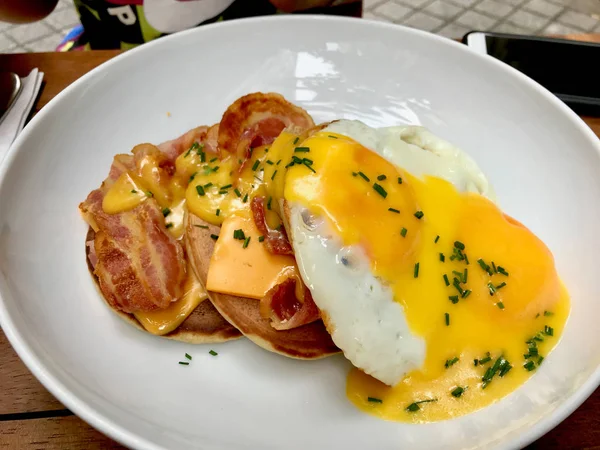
477 286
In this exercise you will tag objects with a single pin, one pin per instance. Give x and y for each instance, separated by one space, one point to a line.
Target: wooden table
31 418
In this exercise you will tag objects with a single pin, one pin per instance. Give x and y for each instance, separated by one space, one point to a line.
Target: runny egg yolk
475 284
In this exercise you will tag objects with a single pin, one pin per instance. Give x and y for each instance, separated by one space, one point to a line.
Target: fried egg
417 273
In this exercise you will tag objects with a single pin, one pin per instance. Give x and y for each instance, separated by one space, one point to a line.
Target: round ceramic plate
542 159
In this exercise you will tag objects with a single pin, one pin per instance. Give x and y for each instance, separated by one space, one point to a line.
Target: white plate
542 159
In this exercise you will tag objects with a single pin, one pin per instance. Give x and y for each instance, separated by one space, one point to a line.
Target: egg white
358 308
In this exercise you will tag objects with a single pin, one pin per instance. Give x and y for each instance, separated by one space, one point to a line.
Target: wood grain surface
31 418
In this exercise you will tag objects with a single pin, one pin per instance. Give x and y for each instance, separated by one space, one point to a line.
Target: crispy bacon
139 265
276 241
282 306
206 136
257 119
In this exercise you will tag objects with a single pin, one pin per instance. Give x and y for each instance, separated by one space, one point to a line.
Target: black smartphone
569 69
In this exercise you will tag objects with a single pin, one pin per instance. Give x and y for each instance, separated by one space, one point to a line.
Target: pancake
203 326
311 341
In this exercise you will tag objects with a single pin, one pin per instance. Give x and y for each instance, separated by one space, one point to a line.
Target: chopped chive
529 366
363 176
354 174
246 242
237 192
419 215
239 234
465 275
149 194
269 202
442 257
457 392
212 352
192 176
213 159
307 161
200 190
166 212
505 368
308 166
484 266
416 272
302 149
227 186
548 313
502 271
539 361
296 140
403 232
202 157
494 267
261 238
459 275
332 137
277 163
500 305
218 212
491 288
374 400
269 162
413 407
245 199
133 191
501 285
456 284
446 280
381 177
459 245
255 165
548 331
466 293
451 362
380 190
214 237
399 180
169 225
437 238
487 359
273 176
184 363
394 210
447 319
202 226
453 299
188 356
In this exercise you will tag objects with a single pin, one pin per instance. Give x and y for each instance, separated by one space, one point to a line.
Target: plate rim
121 434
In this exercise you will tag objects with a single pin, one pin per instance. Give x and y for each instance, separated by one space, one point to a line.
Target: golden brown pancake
309 341
203 326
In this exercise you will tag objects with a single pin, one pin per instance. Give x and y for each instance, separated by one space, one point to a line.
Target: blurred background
450 18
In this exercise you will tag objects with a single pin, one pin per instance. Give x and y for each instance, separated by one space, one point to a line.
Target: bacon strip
282 306
139 265
206 136
276 241
257 119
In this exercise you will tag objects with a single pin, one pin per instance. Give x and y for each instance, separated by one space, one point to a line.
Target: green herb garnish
416 271
419 215
381 177
380 190
363 176
246 242
166 212
394 210
302 149
374 400
212 352
200 190
403 232
457 392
